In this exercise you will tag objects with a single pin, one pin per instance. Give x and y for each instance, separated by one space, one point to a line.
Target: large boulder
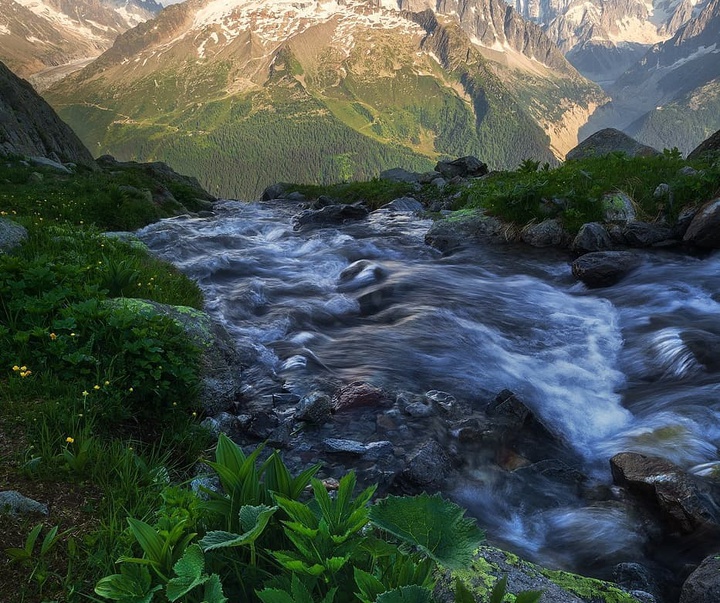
328 216
710 146
490 564
646 234
14 503
703 585
463 228
548 233
592 236
463 167
685 502
609 141
11 235
704 230
604 268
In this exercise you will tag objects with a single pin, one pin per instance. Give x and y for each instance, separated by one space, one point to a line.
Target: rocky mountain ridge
48 38
386 82
603 38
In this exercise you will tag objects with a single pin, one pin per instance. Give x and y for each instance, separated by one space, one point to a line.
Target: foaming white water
634 366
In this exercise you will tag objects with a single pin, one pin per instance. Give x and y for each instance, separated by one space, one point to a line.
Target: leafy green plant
37 559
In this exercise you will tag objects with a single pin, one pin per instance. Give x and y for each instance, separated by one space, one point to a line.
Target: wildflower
80 414
24 374
194 414
16 368
96 387
53 336
131 390
23 368
72 334
174 403
107 383
85 393
69 440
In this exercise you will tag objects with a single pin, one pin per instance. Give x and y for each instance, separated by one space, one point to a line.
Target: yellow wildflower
23 368
131 390
16 368
96 387
107 383
86 393
69 440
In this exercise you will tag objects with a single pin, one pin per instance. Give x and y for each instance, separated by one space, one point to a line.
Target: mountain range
244 93
48 38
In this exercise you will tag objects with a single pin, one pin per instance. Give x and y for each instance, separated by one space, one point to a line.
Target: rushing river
633 367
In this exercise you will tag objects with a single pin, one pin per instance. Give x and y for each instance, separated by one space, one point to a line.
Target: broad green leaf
335 564
462 593
499 590
302 480
275 595
407 594
370 587
431 523
297 511
293 563
130 586
299 592
31 538
277 477
213 590
149 540
528 596
189 573
255 519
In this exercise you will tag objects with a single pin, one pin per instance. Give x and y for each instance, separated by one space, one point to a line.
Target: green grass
574 191
96 402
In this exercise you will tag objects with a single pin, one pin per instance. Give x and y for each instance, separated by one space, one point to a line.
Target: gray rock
661 190
370 451
314 408
592 236
405 204
11 235
703 585
508 406
360 274
685 501
618 207
442 400
491 564
548 233
400 175
704 230
709 146
275 191
456 231
604 268
463 167
687 171
428 467
14 503
35 178
46 162
329 215
439 183
645 234
609 141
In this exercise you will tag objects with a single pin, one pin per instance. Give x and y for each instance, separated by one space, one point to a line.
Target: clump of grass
574 191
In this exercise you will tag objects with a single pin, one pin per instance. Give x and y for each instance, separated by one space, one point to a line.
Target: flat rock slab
11 501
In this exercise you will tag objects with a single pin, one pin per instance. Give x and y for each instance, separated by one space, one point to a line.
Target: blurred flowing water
633 367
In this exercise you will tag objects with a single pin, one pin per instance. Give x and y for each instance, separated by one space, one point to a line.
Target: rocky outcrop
704 230
609 141
604 268
329 215
685 502
491 564
710 146
703 585
463 167
447 235
29 126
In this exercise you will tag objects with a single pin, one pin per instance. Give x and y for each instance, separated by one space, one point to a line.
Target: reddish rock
359 394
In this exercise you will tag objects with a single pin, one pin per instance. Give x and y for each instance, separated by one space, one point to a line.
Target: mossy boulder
491 564
220 363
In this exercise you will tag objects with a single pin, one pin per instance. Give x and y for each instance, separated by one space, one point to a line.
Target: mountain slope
40 35
244 93
672 96
29 126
